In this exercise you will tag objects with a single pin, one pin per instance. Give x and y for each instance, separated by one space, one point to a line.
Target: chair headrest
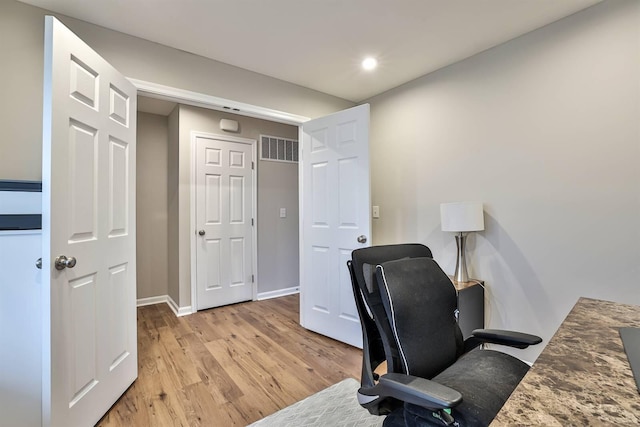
366 259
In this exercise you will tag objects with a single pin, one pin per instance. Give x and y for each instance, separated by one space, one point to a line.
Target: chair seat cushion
485 378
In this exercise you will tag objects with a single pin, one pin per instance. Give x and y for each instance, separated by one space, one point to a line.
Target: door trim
192 216
197 99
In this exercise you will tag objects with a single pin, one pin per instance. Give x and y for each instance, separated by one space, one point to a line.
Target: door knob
201 232
362 239
63 262
39 264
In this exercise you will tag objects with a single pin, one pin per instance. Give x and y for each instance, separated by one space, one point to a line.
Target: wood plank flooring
227 366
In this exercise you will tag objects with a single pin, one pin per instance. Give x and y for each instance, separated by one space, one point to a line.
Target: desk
583 376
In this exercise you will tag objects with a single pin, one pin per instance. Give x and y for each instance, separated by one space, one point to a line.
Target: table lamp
461 218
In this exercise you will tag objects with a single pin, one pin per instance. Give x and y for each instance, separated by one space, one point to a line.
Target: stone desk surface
582 377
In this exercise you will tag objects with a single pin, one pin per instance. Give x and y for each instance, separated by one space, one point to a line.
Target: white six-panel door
335 199
89 157
224 216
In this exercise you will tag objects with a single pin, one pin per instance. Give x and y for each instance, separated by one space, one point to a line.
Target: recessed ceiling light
369 63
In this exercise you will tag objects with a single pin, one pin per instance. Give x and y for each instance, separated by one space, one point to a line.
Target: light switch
376 211
283 212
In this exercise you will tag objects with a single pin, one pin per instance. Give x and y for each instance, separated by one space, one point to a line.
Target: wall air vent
278 149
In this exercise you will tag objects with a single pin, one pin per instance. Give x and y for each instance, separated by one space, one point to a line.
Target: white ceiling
155 106
319 44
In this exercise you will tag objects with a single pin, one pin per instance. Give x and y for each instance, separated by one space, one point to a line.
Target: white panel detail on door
82 182
334 206
319 189
213 204
236 159
213 264
117 323
238 271
118 186
83 373
318 140
83 83
319 291
236 199
118 106
212 156
348 198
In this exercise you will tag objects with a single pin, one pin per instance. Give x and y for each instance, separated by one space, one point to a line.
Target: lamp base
461 274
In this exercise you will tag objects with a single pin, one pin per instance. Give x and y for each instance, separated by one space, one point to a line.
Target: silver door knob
201 232
39 264
63 262
362 239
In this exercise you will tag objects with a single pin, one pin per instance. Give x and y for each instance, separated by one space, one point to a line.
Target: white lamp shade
462 216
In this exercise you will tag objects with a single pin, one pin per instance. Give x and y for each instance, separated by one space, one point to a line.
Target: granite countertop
583 376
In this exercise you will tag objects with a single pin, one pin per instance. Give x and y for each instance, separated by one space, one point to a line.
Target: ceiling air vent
278 149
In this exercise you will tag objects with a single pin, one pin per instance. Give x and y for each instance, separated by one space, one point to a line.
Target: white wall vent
278 149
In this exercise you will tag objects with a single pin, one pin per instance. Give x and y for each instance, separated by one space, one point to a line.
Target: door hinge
252 222
253 279
253 165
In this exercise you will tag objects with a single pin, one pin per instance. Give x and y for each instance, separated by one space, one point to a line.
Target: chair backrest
420 302
378 342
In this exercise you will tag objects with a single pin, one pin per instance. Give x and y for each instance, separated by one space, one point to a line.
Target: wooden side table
470 305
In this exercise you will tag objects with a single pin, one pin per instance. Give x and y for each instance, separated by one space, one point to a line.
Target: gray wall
21 77
278 245
277 187
152 205
21 85
173 236
545 131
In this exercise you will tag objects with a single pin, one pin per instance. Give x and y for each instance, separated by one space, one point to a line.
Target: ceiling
155 106
320 44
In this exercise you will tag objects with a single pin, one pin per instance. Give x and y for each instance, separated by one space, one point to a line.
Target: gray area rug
334 406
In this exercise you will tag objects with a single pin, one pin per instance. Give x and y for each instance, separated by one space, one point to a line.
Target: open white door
334 207
88 216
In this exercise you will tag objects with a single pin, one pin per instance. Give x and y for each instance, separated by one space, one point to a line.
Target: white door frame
193 207
187 97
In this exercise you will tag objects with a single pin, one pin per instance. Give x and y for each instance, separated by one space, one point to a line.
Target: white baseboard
186 310
151 300
178 311
278 293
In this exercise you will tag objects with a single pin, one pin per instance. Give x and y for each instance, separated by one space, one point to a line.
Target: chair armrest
509 338
415 390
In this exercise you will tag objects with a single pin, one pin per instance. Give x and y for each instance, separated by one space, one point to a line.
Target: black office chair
407 310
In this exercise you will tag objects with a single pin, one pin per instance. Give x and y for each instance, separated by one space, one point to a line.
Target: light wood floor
228 366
